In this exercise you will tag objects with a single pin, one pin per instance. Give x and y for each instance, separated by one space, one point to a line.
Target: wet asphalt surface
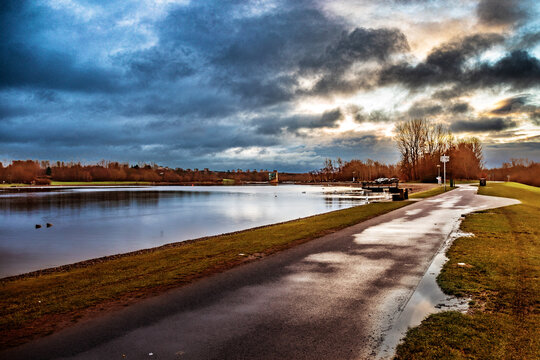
331 298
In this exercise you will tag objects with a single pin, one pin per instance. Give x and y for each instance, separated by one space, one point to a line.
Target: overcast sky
264 83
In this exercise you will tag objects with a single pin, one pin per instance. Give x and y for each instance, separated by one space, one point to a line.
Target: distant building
273 177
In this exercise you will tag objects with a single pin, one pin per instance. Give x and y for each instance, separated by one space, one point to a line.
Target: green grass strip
430 192
26 301
12 185
502 277
98 183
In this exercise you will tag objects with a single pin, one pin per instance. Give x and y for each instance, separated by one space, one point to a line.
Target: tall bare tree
411 136
420 140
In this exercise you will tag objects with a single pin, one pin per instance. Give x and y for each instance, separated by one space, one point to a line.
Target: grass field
38 304
430 192
98 183
12 185
502 278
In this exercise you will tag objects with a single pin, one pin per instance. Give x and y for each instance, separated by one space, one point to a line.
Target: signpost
444 160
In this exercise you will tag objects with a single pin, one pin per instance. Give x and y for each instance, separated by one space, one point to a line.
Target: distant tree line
520 170
42 172
358 170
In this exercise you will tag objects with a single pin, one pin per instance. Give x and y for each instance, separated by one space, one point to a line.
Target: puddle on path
427 299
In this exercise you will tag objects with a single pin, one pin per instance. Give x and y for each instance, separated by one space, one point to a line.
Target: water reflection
93 222
78 199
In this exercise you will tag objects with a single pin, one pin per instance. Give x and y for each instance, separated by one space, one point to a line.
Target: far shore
412 186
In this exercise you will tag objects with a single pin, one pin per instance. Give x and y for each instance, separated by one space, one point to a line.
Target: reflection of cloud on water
242 211
420 310
413 212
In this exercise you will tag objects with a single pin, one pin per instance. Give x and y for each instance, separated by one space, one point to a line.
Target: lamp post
444 160
439 174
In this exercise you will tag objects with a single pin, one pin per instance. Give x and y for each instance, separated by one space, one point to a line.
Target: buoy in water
38 226
49 224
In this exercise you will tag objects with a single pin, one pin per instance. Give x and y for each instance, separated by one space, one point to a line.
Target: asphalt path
331 298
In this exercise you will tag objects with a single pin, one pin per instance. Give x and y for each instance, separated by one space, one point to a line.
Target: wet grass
98 183
12 185
39 304
430 192
502 279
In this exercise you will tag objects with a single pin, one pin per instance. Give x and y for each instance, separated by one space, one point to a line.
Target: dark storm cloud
501 12
161 64
353 145
260 58
262 91
527 40
509 105
7 111
166 136
208 64
25 66
355 140
443 64
359 115
518 105
272 126
452 55
45 95
330 118
535 116
518 69
459 108
482 125
448 94
26 62
447 65
333 84
378 116
420 110
177 103
359 45
255 58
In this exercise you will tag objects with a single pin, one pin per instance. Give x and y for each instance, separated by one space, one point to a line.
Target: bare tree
411 136
420 140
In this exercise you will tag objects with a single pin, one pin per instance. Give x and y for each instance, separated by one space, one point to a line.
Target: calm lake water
94 222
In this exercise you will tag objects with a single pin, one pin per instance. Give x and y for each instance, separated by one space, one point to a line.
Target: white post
444 175
444 160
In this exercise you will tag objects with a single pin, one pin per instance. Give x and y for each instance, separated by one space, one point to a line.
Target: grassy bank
41 303
501 277
12 185
430 192
98 183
